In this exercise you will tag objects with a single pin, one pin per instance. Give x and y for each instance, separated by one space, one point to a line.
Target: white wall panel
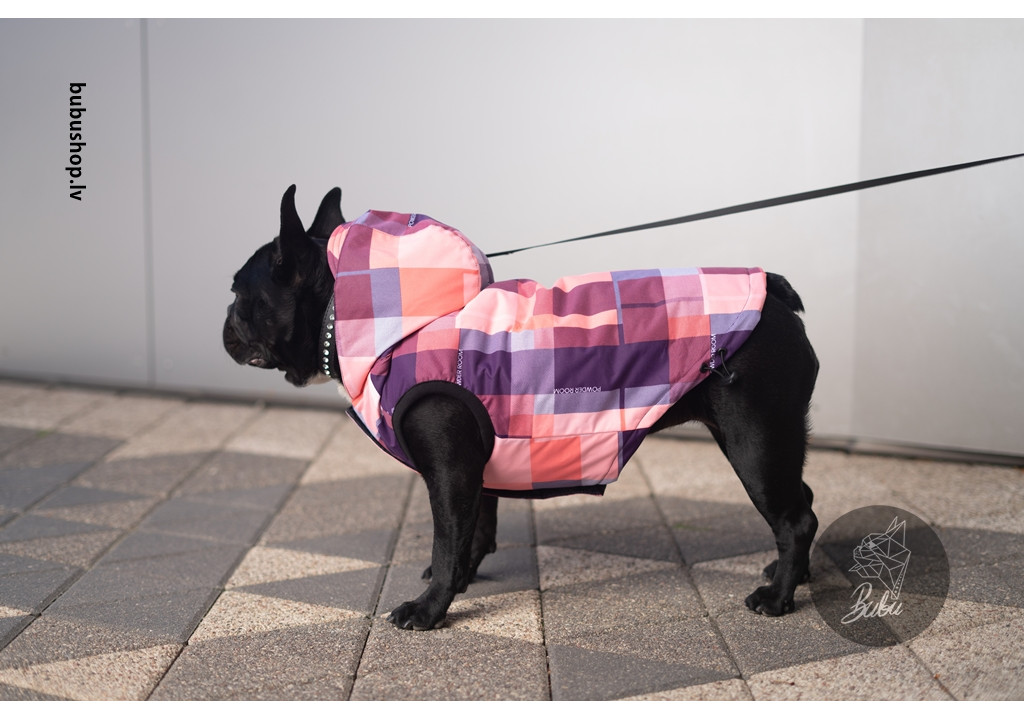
72 273
940 339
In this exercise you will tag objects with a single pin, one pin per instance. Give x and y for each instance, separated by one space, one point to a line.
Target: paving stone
893 673
739 532
354 590
170 618
972 546
122 417
123 515
515 522
962 615
10 692
647 659
982 663
198 427
998 583
349 454
265 498
129 675
240 613
448 664
34 591
129 516
12 437
726 582
343 506
153 475
654 543
560 567
955 494
605 516
21 487
75 496
266 564
507 570
286 433
513 615
46 408
415 543
760 643
579 610
78 550
12 564
327 689
246 667
714 691
370 545
51 639
842 482
153 544
33 527
187 517
692 469
11 625
204 568
58 449
236 471
13 393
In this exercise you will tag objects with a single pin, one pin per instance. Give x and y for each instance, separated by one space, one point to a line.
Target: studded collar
329 352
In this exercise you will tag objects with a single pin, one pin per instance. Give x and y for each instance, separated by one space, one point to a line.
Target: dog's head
281 294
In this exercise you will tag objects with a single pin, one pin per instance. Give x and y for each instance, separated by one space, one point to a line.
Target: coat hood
394 274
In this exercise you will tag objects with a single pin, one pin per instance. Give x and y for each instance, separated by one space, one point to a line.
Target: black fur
757 413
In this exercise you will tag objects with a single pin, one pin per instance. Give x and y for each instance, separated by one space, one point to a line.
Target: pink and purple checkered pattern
572 376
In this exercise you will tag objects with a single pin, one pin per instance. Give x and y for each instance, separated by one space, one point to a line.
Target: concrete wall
515 132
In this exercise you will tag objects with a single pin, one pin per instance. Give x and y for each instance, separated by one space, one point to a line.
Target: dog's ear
329 216
293 246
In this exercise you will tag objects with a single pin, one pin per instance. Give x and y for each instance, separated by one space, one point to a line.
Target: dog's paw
427 574
416 615
767 601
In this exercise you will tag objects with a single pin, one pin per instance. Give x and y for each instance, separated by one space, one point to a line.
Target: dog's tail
780 288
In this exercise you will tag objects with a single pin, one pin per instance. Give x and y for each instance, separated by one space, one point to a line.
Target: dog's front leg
484 538
444 443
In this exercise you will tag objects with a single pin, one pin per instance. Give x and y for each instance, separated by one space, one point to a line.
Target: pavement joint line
383 577
166 495
542 596
258 536
706 611
930 671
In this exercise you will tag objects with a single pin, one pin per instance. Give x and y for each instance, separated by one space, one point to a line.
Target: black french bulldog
756 411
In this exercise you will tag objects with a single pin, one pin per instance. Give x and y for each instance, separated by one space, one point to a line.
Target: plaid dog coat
570 378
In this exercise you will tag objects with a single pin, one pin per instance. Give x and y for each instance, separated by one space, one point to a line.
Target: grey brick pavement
158 548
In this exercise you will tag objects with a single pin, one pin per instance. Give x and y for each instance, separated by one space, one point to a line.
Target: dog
298 311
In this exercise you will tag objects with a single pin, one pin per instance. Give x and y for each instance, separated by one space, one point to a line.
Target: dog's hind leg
760 422
770 468
443 441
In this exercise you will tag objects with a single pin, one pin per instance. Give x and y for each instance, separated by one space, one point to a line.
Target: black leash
783 200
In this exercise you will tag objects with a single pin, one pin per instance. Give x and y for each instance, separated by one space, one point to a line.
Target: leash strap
772 202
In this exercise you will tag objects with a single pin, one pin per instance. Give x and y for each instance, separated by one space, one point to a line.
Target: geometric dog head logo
884 557
863 582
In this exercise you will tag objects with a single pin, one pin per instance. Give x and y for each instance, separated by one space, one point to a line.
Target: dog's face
281 293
